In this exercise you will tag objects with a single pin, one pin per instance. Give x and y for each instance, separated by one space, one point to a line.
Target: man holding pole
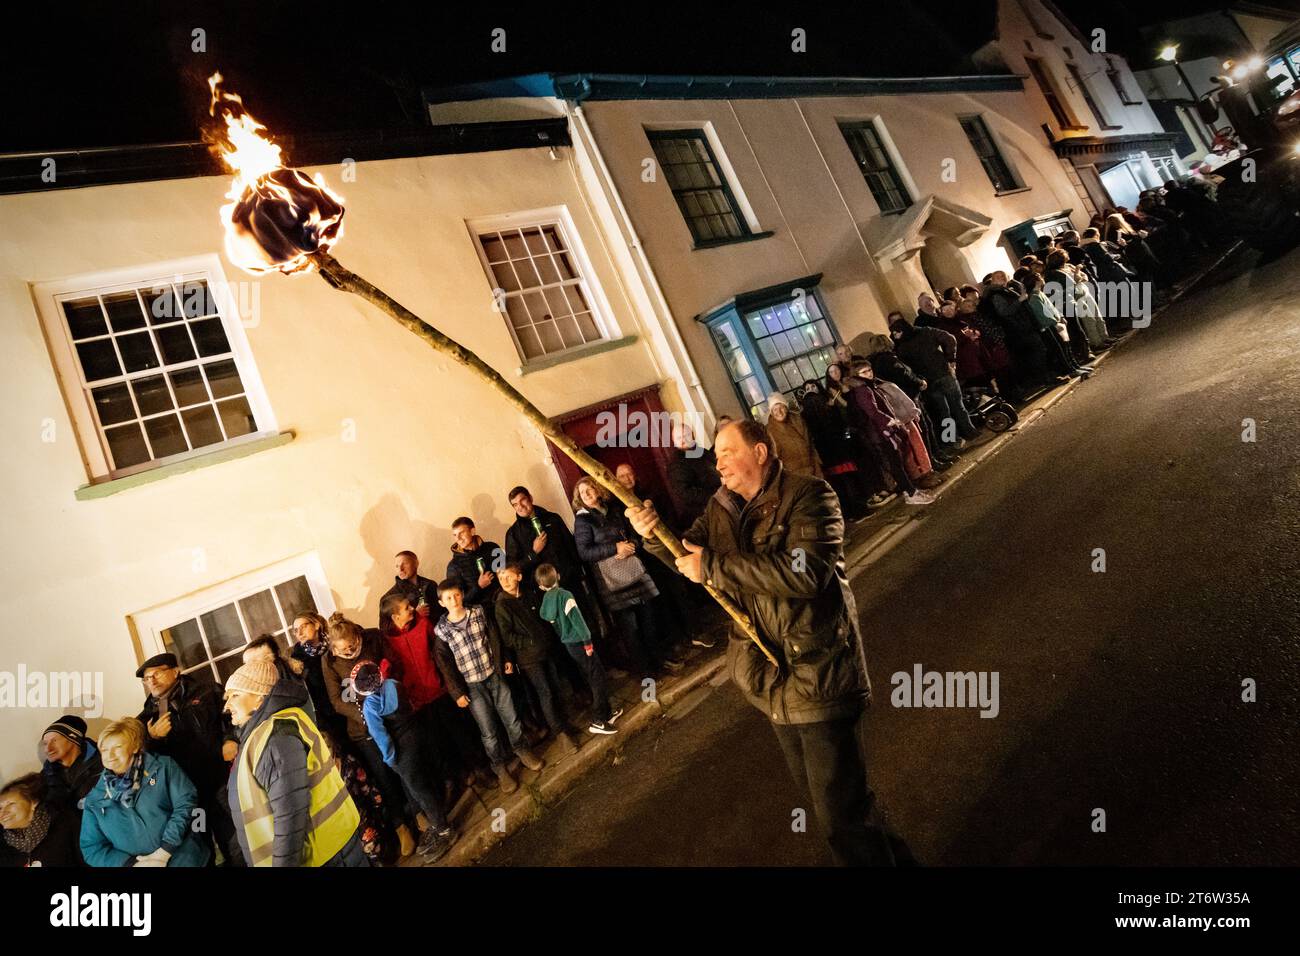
773 542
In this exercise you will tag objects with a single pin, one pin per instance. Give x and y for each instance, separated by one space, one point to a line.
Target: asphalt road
1119 691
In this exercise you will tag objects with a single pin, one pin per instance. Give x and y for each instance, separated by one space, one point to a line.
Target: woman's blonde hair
601 494
321 625
126 727
341 629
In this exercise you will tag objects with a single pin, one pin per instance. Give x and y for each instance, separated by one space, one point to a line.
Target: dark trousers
943 399
383 776
594 674
415 772
637 625
456 735
1059 357
545 682
828 759
221 827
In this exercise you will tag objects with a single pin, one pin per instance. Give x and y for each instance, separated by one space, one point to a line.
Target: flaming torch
279 220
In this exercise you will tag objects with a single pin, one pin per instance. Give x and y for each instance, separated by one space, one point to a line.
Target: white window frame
560 218
725 169
149 624
94 447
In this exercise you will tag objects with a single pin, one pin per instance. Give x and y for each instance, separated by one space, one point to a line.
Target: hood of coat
285 693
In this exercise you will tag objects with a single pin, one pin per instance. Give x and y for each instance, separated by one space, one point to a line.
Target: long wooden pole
341 278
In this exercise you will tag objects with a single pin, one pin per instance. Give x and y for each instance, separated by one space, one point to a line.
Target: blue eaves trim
578 87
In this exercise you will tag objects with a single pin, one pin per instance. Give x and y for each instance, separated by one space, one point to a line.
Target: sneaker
920 498
618 712
598 728
703 641
434 845
530 761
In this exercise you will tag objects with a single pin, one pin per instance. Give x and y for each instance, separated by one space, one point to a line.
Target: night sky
122 73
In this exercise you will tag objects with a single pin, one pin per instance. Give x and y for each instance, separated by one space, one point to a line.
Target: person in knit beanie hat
286 795
71 762
791 440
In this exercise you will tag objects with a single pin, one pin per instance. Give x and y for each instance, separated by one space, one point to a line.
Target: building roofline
579 87
73 168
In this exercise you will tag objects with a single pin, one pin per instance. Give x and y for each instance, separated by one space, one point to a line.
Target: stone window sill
230 452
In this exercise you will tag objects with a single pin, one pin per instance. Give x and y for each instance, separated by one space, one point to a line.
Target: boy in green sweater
560 608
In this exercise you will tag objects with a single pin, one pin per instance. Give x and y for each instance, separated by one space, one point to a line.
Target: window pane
113 404
188 384
98 360
165 436
201 425
223 378
577 302
515 244
197 299
228 665
779 378
528 276
260 614
223 629
184 641
237 417
295 597
535 241
768 349
210 337
504 274
536 306
493 247
515 309
546 266
529 343
138 352
160 304
202 676
151 395
553 240
773 323
783 313
550 337
124 311
569 332
587 323
175 343
565 265
85 318
126 442
752 391
556 302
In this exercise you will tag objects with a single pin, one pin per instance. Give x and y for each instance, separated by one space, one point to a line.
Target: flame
276 216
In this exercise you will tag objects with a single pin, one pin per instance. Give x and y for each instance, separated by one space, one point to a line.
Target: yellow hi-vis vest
334 817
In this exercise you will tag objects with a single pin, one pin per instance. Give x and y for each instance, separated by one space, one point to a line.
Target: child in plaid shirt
560 608
468 652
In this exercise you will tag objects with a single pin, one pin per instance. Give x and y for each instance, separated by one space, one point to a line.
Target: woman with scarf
972 368
37 831
835 450
790 435
140 812
884 432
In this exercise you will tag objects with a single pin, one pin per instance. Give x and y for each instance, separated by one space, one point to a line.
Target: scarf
314 648
30 837
124 789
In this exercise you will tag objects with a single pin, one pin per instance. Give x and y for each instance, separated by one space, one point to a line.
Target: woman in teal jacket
141 810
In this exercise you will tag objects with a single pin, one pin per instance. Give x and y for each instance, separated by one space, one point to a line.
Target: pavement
722 769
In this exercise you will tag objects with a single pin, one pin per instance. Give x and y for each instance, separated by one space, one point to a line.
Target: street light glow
1169 53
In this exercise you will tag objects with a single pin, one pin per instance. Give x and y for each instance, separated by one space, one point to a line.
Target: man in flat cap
184 721
72 763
